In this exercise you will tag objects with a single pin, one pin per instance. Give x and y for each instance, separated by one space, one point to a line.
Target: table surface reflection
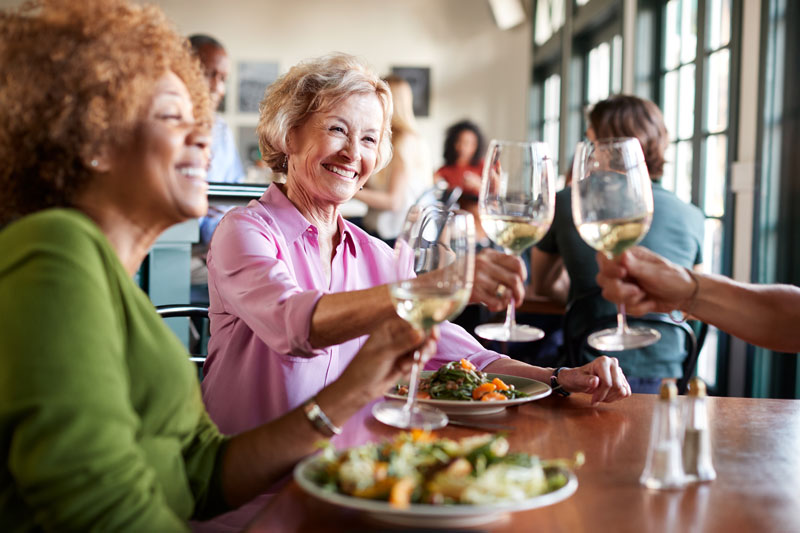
756 446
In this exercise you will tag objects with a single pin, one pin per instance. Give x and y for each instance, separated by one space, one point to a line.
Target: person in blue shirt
225 166
676 233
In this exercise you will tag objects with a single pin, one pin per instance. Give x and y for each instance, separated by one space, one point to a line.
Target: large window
546 102
694 96
682 52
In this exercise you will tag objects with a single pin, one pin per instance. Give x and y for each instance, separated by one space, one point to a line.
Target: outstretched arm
257 458
765 315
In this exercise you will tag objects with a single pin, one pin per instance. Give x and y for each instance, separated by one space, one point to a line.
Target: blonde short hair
312 86
76 77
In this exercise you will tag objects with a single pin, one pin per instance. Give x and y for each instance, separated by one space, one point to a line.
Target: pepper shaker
697 438
664 467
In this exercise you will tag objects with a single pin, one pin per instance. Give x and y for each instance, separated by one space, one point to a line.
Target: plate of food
417 479
458 388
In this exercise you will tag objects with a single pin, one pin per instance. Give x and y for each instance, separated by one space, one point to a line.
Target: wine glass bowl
612 207
435 262
517 205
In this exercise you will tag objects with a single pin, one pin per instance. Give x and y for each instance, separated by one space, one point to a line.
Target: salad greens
416 467
460 380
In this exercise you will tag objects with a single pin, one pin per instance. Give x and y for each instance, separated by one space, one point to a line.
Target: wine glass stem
622 322
511 317
412 384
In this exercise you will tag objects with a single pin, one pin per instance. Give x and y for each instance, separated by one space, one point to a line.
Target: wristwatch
319 419
555 385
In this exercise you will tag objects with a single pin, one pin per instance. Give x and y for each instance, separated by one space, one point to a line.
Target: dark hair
76 79
451 137
199 40
624 115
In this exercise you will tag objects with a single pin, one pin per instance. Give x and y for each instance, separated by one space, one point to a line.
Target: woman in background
676 232
104 143
464 148
390 192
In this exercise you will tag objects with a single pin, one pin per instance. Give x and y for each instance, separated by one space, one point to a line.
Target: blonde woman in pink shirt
295 289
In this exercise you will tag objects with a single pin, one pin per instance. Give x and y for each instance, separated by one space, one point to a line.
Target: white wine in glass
435 262
612 207
517 204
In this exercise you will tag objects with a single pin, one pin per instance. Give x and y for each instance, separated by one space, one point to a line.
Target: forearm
256 459
764 315
382 200
518 368
342 316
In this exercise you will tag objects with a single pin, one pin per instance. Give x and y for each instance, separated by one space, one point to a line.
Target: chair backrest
199 319
575 349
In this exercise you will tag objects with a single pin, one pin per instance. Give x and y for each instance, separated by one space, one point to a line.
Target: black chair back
575 350
199 316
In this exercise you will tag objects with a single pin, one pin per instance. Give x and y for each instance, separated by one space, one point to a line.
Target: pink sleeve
455 343
248 269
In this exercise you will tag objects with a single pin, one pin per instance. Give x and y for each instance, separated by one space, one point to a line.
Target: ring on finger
500 291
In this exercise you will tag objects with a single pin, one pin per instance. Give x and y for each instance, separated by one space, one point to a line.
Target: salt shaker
696 438
664 467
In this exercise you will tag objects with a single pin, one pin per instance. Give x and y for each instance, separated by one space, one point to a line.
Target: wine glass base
519 333
394 414
609 340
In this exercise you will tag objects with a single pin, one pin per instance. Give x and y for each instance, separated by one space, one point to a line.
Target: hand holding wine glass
612 207
435 261
517 204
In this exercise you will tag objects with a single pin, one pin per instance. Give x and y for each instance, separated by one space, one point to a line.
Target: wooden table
756 454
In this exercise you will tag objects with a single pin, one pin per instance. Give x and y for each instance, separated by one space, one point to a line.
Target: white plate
536 390
424 515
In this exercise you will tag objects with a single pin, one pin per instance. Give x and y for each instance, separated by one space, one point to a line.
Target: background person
102 427
464 149
676 232
390 192
764 315
226 167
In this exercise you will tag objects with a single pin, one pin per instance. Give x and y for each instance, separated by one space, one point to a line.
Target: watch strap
555 385
319 419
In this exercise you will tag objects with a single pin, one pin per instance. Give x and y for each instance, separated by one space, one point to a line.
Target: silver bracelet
319 419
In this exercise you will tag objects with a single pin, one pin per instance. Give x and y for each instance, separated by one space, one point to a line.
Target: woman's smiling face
333 153
162 171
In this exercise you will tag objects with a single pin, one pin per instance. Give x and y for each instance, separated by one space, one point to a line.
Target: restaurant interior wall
477 70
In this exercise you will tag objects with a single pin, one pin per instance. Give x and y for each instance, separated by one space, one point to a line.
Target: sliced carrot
466 365
423 395
422 435
493 397
482 389
501 385
400 495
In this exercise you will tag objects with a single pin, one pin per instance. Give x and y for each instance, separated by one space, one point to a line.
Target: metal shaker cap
697 387
668 390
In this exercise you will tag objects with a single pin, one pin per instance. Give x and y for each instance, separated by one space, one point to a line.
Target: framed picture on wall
420 80
254 78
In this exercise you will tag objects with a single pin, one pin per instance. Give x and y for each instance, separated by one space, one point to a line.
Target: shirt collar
293 224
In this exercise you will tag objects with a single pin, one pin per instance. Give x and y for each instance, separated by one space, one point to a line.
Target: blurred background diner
720 71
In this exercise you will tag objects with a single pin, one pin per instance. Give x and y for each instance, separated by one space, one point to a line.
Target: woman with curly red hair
104 121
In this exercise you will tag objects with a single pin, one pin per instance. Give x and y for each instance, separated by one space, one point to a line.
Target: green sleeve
67 419
203 457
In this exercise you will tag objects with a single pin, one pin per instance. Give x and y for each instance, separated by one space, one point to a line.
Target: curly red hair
76 78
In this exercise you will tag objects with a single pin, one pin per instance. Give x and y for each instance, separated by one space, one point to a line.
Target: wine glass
612 206
435 263
517 204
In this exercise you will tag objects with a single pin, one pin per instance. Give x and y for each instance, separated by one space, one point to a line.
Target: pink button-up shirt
264 280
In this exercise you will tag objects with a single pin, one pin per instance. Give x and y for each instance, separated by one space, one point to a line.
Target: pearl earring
94 163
